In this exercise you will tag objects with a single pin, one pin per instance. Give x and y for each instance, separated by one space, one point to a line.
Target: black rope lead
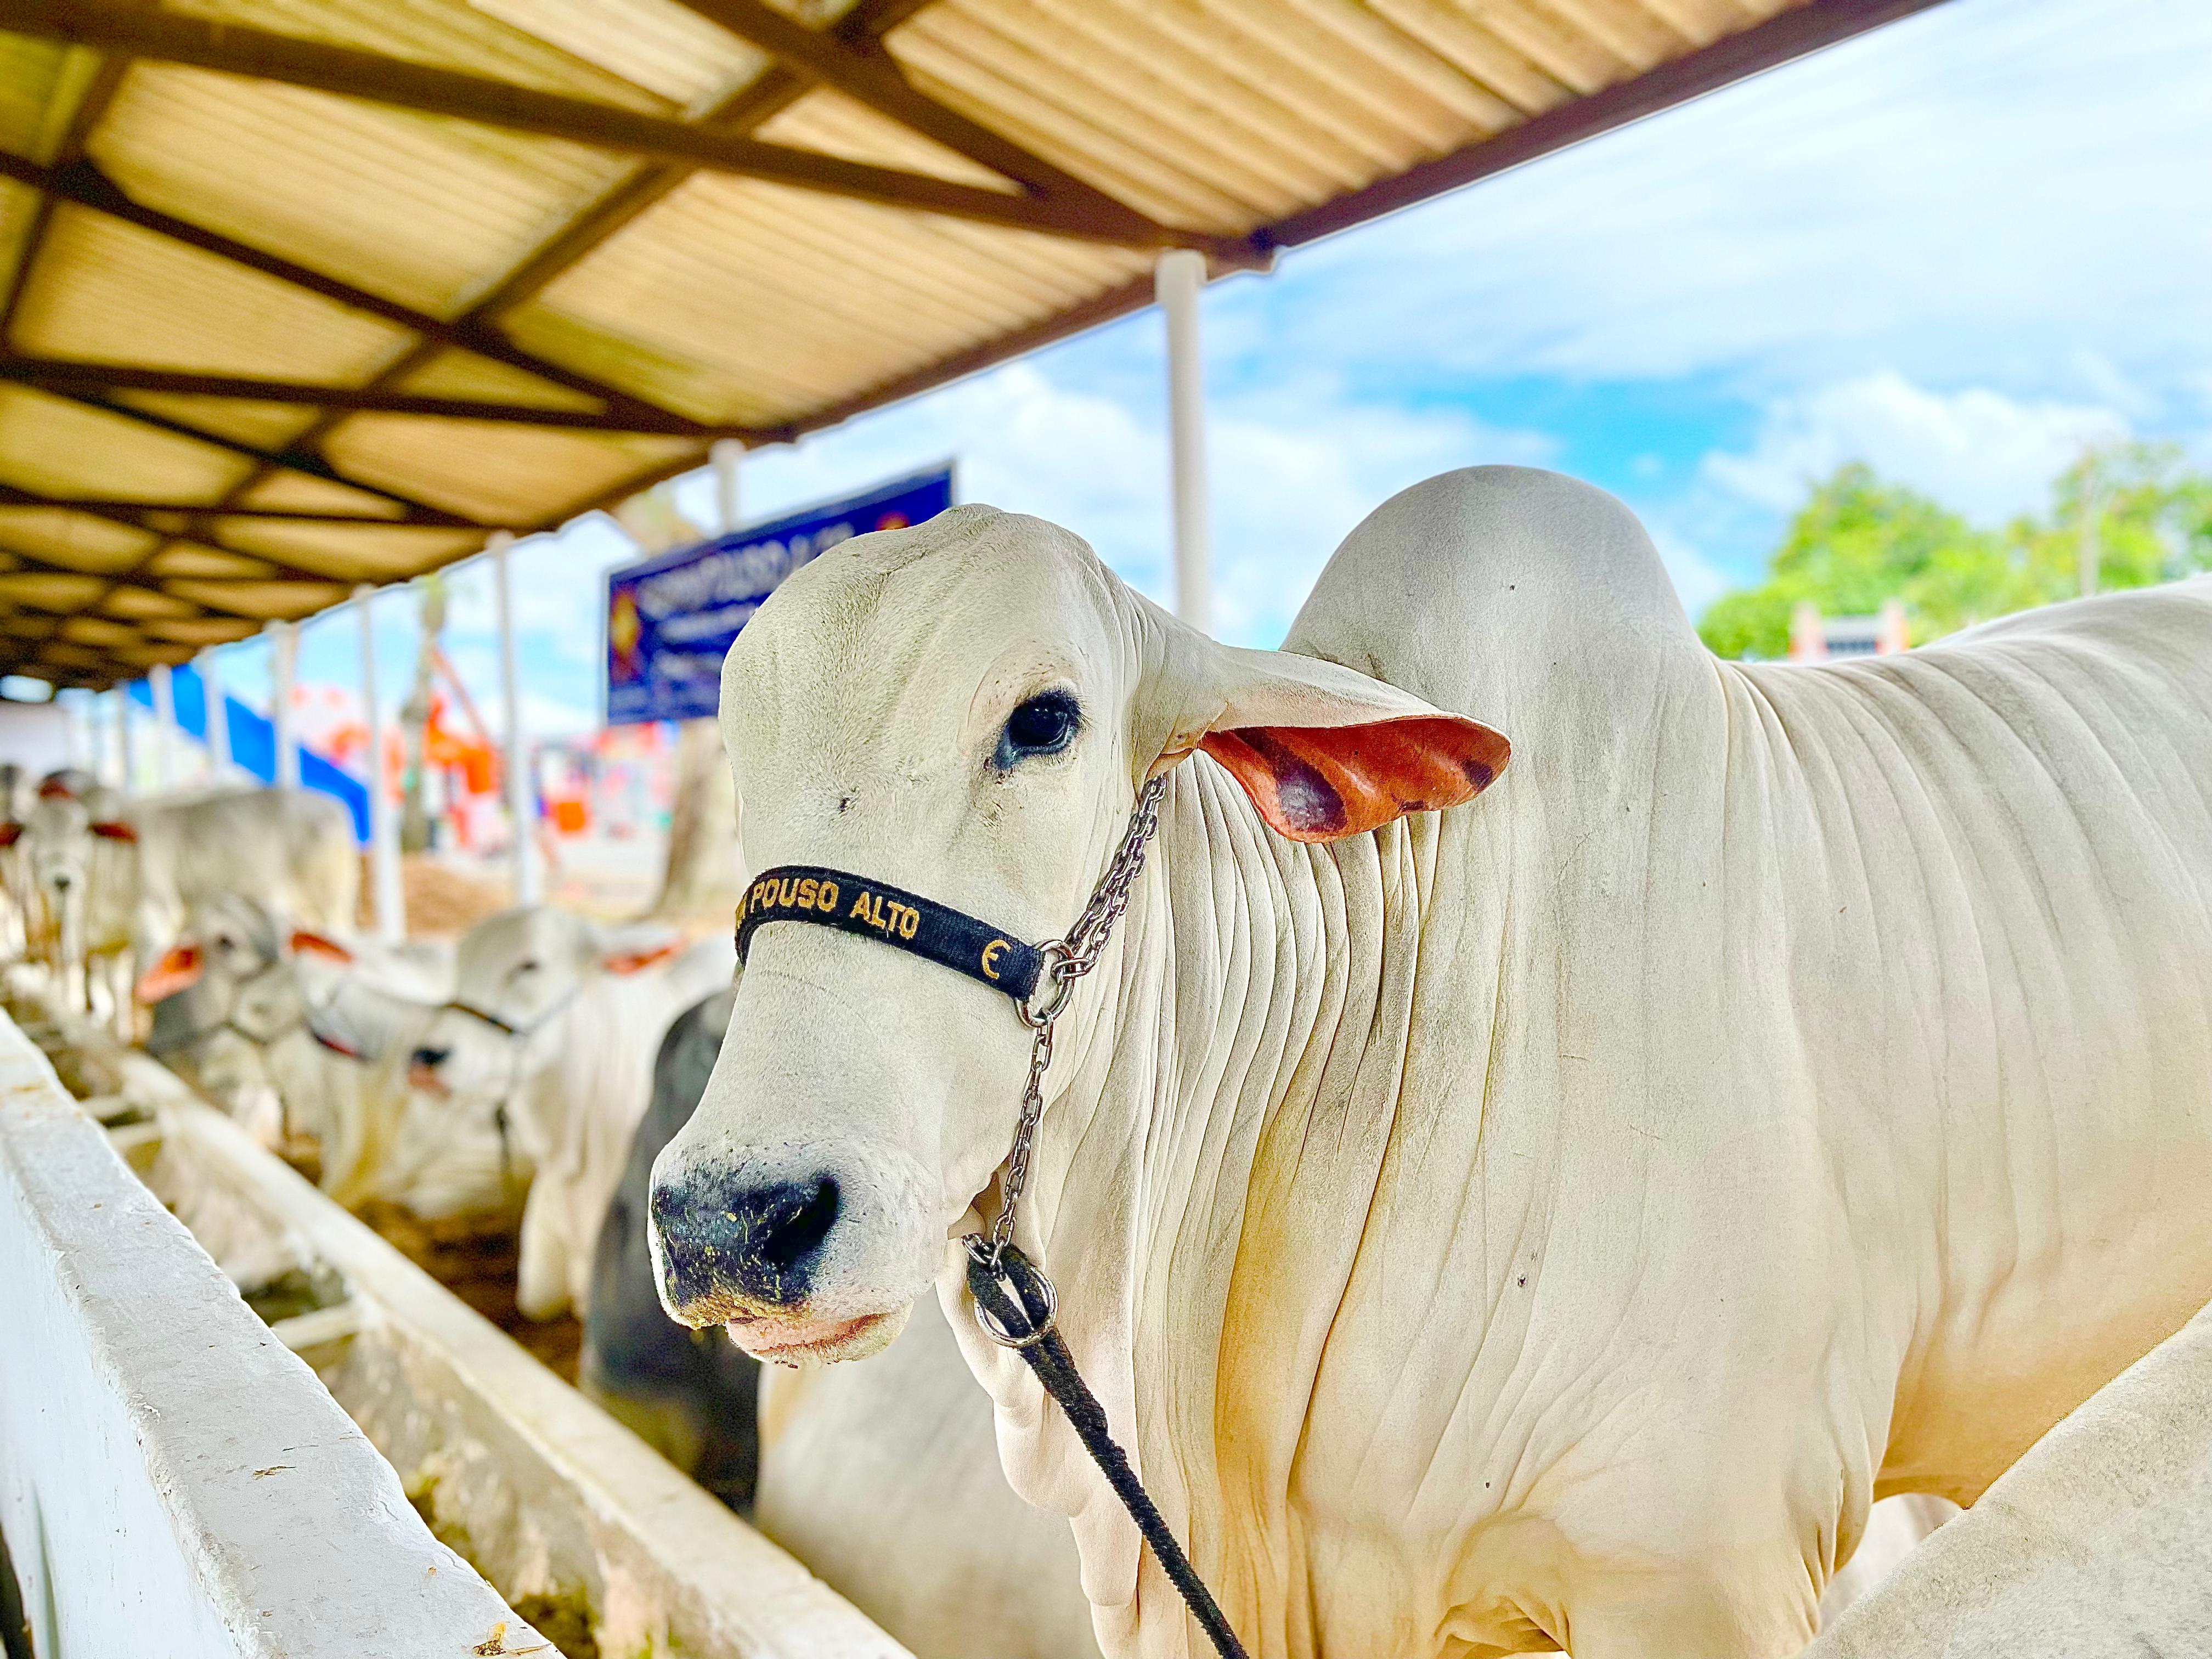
1016 1305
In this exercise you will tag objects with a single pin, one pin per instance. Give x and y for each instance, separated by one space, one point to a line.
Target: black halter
876 909
1015 1302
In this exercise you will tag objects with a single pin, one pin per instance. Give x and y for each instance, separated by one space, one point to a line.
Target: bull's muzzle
729 1252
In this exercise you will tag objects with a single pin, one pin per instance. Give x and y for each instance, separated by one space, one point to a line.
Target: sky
1962 248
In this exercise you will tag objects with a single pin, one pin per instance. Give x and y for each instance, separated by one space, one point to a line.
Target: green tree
2136 512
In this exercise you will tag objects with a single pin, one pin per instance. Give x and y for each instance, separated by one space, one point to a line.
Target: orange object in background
571 816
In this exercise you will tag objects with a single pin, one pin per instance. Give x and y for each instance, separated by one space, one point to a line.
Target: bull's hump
1494 575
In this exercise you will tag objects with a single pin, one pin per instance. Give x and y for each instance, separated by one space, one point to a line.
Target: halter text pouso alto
1015 1303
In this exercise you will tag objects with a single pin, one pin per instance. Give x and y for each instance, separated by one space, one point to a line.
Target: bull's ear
630 950
1325 752
304 943
179 969
114 829
10 834
632 961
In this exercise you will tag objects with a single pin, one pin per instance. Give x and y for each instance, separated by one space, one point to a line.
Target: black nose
761 1244
430 1059
63 883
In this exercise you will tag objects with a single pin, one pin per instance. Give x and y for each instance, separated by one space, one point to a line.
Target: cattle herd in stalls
648 1105
543 1061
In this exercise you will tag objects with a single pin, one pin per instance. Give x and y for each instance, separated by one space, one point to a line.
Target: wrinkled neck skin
1305 1184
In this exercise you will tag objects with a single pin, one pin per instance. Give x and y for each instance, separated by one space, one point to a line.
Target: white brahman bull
291 849
292 1030
119 880
1548 1221
75 858
2096 1545
882 1478
553 1025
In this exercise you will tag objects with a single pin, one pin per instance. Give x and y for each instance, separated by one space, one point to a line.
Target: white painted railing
172 1479
570 1514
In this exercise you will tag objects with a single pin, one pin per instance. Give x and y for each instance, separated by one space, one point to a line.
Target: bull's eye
1045 724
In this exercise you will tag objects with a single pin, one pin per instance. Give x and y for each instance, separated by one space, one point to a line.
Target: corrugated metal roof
297 294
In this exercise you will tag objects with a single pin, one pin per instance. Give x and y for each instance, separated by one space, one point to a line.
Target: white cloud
2012 190
1287 491
1987 455
1293 471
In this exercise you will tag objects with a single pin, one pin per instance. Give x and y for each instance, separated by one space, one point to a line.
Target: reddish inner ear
10 834
117 831
631 962
1319 783
178 970
304 942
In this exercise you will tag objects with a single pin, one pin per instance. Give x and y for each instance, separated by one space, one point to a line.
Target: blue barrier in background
253 743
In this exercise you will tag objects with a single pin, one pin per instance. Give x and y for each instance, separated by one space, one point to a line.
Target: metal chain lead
1066 960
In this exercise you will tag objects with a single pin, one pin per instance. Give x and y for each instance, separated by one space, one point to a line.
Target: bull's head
967 710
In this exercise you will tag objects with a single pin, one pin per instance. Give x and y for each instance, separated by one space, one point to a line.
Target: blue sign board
672 619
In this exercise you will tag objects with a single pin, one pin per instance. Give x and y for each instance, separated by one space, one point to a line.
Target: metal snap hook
1021 1286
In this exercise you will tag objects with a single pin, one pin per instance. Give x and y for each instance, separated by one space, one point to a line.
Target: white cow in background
291 849
2096 1545
118 879
76 858
292 1031
1544 1220
551 1033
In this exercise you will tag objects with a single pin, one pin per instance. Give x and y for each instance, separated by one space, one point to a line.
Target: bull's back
293 845
2033 804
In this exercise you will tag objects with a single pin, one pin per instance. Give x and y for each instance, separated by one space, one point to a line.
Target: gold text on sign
886 915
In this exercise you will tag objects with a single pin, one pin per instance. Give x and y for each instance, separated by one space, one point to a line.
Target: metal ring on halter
1053 967
1027 1286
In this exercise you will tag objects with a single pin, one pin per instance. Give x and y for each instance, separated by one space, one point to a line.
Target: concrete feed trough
168 1463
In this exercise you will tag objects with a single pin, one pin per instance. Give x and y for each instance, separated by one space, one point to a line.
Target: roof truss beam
60 375
86 185
304 461
127 511
231 49
40 565
868 74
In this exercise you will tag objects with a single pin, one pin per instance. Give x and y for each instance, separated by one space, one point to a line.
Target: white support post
384 886
283 663
1177 281
521 816
217 702
122 745
727 455
78 708
165 727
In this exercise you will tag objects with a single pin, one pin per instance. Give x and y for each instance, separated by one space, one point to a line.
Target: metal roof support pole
1177 279
283 663
165 727
727 455
384 892
514 763
217 702
122 736
73 712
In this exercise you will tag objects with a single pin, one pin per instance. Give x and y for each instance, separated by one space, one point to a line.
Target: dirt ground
448 893
474 1257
